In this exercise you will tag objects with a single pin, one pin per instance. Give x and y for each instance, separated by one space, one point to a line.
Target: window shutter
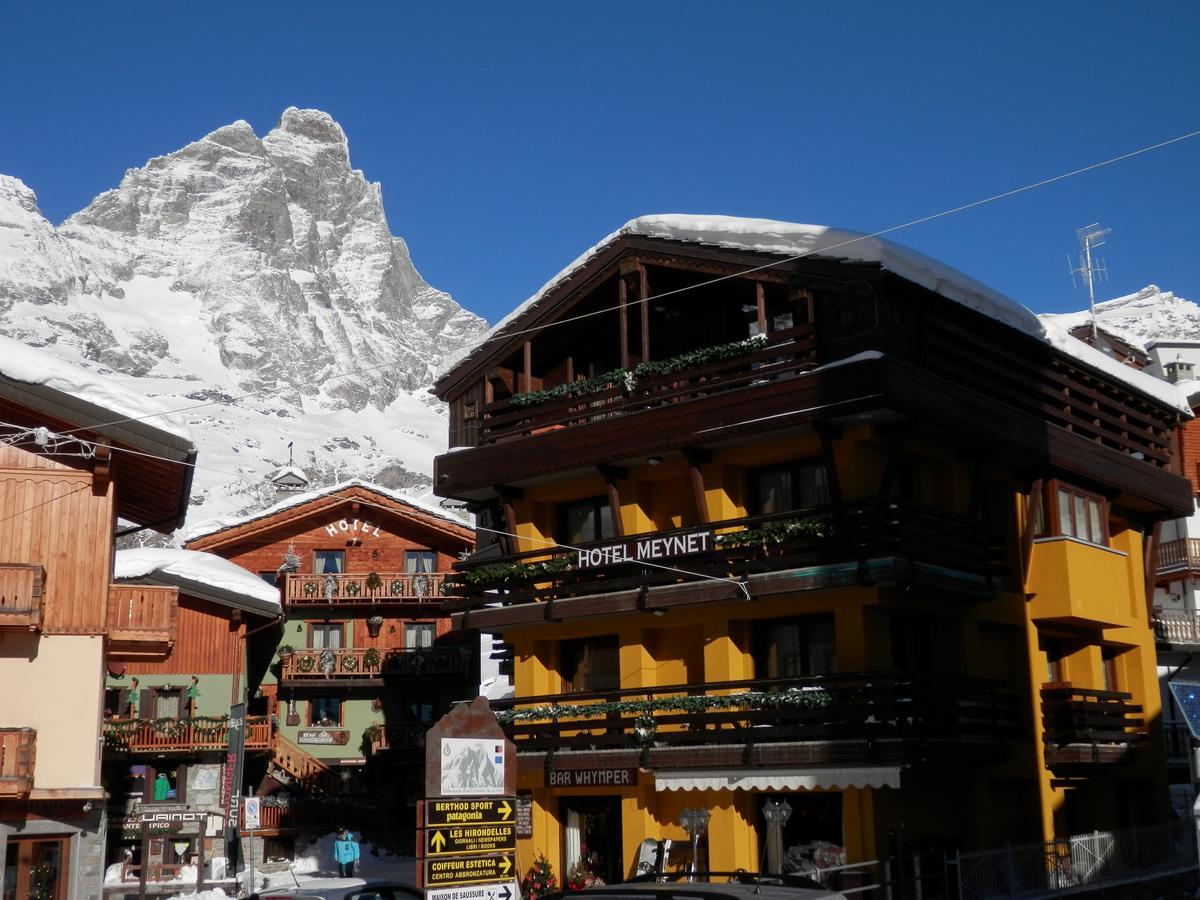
122 703
146 704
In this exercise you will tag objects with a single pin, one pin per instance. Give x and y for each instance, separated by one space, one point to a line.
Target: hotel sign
646 548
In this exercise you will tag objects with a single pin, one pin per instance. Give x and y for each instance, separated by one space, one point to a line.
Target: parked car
343 889
768 888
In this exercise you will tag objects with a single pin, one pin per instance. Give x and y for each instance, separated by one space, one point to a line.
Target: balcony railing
1181 555
21 596
361 589
861 717
182 735
306 813
400 736
851 532
142 620
1084 726
18 752
1176 627
317 665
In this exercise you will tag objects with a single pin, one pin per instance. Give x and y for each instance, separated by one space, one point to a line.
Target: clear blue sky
510 136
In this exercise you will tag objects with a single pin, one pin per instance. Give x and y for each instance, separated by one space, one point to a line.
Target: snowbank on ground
29 365
213 894
202 569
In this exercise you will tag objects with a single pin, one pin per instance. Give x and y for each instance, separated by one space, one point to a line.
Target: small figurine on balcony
193 696
135 698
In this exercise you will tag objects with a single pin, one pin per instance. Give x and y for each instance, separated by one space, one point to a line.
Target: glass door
35 869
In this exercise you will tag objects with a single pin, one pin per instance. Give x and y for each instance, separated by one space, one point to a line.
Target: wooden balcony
182 735
1176 627
18 753
398 737
21 587
372 667
1085 727
874 541
361 590
852 718
142 620
294 813
1179 557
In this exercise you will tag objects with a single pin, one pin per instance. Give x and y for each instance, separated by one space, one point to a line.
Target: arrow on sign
505 866
506 894
438 841
504 809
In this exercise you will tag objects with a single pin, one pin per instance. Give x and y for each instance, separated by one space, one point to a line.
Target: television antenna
1091 269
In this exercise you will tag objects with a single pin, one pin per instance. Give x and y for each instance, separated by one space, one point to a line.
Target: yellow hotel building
763 521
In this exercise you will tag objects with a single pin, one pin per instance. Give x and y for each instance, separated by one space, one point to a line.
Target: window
168 703
419 634
794 485
268 577
590 664
584 521
325 636
420 561
793 648
325 712
1075 513
165 784
1053 648
1108 670
116 703
329 562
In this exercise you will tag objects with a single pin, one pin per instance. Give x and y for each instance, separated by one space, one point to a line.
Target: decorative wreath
397 587
349 663
307 663
310 589
352 588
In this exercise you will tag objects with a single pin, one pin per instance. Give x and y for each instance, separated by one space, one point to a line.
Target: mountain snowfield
1150 314
255 284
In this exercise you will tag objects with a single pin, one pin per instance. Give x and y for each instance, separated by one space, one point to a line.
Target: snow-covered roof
796 240
212 526
200 574
290 472
28 365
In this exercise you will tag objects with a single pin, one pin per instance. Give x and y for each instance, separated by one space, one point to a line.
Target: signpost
468 821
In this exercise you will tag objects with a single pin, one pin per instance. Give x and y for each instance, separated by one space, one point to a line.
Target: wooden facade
816 529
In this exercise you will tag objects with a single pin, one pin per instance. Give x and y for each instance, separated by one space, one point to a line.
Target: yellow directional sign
469 869
467 811
453 840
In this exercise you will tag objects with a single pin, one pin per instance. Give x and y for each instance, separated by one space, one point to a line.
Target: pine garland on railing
628 378
497 573
774 533
118 733
793 698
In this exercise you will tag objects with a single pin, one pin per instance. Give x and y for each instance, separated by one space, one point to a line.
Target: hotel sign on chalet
647 548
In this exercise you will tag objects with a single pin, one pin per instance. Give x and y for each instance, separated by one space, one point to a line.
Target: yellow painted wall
55 685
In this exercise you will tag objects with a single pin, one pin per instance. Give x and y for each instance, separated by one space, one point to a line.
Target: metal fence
1076 863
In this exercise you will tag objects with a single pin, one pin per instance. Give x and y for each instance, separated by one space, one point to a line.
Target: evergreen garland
792 698
573 389
523 572
774 533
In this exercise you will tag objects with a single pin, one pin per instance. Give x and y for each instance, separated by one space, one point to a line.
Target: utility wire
779 262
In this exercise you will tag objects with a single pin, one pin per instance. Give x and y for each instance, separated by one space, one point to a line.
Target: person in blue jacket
345 853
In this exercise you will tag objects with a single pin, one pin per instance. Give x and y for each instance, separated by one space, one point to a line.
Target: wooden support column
507 495
623 319
643 295
1150 567
527 374
695 458
611 474
760 299
1032 511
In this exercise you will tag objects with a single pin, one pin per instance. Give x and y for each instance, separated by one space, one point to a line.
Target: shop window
590 664
166 784
325 712
584 521
794 485
419 634
795 648
325 635
329 562
420 561
1073 512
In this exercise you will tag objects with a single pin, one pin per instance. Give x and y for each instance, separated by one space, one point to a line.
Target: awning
777 779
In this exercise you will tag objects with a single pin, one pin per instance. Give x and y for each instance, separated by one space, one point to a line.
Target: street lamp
777 815
695 823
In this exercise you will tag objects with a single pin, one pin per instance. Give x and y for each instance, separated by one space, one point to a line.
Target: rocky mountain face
255 280
1147 315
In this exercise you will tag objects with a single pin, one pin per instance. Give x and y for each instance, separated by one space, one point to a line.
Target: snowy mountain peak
244 266
1150 314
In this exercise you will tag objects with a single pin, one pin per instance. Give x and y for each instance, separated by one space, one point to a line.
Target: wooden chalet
366 660
79 454
837 525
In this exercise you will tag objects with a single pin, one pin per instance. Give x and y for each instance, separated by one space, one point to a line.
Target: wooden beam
527 374
1032 511
643 294
1150 566
760 299
623 320
611 474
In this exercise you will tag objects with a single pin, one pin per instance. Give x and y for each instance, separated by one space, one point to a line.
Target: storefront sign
507 891
467 839
171 816
469 869
352 526
645 548
490 811
524 814
326 736
591 777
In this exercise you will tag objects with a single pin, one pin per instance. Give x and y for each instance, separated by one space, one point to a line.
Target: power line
891 229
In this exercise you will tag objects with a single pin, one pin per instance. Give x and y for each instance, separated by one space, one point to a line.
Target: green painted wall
214 689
